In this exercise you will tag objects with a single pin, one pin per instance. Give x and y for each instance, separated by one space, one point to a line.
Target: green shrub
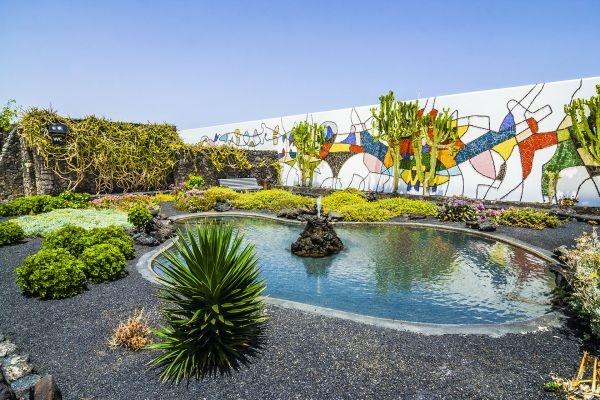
271 199
342 198
115 235
527 218
36 204
10 232
140 217
216 194
584 262
399 206
194 182
103 262
73 239
193 201
213 309
124 202
364 212
43 224
51 274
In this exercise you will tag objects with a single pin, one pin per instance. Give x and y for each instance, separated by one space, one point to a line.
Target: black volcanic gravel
307 356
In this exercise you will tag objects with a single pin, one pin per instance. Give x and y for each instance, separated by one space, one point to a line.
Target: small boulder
22 386
222 206
145 239
289 213
7 348
46 389
317 240
6 392
472 224
17 367
334 216
561 252
486 226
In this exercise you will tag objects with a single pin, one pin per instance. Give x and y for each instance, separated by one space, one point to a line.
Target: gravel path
307 356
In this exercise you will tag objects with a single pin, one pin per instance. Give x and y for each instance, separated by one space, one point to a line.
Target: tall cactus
392 122
308 139
586 123
443 129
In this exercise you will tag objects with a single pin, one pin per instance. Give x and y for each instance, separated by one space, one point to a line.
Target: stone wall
23 172
11 165
265 168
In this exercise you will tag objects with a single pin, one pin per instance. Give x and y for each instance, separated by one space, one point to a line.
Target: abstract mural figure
508 140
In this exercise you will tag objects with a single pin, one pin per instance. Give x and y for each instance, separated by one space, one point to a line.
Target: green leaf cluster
212 306
103 262
527 218
140 216
36 204
585 117
308 138
10 233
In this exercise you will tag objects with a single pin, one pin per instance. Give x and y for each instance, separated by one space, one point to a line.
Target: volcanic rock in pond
317 240
6 393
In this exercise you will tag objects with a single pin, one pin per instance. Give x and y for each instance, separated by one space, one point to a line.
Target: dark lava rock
334 216
472 224
317 240
486 226
222 206
415 216
146 239
6 393
371 196
561 252
46 389
289 213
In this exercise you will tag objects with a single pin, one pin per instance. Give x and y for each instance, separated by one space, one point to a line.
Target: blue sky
196 63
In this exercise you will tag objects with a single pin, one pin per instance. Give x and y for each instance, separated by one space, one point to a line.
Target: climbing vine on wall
220 156
118 155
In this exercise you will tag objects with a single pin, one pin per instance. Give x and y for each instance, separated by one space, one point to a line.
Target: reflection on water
405 273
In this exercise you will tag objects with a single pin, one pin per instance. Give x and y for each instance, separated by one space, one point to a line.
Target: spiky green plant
308 139
214 313
586 122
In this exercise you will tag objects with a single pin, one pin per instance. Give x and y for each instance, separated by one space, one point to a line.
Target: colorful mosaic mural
508 140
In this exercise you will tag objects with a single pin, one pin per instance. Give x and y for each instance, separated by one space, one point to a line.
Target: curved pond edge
542 323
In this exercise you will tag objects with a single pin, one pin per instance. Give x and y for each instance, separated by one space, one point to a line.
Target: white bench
240 183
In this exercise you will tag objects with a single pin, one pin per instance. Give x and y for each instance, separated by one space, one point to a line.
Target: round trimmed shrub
51 274
10 232
140 217
103 262
114 235
72 238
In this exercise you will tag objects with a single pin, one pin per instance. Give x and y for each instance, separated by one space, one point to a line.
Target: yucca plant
213 310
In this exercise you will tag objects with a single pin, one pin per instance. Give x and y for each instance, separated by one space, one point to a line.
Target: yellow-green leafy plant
585 117
10 233
308 138
221 156
8 115
119 155
140 217
103 262
271 199
392 122
526 218
213 308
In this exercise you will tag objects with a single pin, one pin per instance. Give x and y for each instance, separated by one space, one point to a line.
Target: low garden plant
459 209
125 202
36 204
140 217
213 310
132 334
103 262
115 235
42 224
10 233
584 263
271 199
51 273
527 218
196 200
194 182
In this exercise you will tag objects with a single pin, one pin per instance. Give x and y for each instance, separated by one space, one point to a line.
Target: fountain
318 238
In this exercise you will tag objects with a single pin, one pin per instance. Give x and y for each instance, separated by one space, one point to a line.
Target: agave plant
214 313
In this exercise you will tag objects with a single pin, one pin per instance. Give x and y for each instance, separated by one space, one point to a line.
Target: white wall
494 163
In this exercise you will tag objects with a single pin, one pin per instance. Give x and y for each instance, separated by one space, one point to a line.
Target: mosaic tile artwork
508 139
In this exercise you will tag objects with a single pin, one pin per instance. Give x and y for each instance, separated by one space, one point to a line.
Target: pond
415 274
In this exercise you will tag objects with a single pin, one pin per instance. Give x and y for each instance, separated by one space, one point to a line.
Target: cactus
392 122
308 139
586 122
443 129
